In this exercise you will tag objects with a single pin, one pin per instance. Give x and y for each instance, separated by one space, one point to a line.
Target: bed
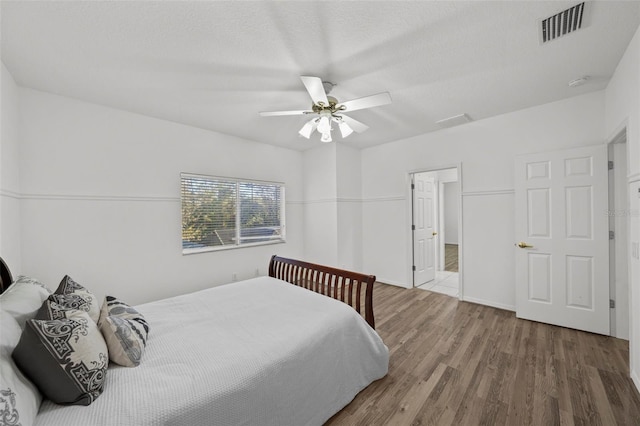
255 352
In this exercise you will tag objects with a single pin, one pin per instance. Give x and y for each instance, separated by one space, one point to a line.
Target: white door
562 247
424 254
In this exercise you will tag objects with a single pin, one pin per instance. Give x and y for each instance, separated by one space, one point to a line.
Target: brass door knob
434 234
522 244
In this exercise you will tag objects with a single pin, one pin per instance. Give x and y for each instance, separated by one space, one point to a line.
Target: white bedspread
257 352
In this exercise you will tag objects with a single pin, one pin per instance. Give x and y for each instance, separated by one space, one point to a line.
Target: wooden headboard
5 276
338 284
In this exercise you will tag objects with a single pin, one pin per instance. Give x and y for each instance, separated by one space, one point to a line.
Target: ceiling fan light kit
308 128
345 130
329 110
326 137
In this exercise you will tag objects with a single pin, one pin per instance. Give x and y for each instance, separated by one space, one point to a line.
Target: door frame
409 220
619 136
440 257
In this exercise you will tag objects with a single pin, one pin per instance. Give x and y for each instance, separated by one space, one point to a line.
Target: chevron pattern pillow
125 331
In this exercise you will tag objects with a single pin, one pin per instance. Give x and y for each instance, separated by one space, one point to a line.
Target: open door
424 254
562 259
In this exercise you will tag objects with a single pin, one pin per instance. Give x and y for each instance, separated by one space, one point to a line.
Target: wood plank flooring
451 257
458 363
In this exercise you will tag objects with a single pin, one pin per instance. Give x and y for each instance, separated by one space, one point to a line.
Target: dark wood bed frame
5 276
339 284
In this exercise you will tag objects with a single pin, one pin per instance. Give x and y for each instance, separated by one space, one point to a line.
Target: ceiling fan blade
271 113
367 102
354 124
316 89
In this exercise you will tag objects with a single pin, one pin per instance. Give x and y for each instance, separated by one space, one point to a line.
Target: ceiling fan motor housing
318 108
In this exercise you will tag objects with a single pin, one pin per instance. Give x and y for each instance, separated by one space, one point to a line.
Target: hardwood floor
458 363
451 257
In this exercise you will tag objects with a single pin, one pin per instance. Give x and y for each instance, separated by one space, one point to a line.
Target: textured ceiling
215 65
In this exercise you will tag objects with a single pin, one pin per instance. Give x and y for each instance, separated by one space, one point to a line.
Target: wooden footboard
339 284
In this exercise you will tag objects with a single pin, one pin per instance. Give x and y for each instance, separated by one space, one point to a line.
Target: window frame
238 216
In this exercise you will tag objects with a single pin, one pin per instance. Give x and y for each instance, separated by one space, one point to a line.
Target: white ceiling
215 65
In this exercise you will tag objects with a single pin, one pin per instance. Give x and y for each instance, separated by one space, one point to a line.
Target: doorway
435 230
449 196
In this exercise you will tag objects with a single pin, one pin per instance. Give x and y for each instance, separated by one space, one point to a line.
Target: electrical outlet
234 277
635 250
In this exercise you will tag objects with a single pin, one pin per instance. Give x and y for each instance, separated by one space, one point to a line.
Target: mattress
257 352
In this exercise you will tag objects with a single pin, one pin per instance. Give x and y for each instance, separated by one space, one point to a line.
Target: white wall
349 194
623 111
447 175
450 210
100 194
333 206
320 204
10 243
486 150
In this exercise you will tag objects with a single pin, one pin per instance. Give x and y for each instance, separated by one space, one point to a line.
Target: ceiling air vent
563 23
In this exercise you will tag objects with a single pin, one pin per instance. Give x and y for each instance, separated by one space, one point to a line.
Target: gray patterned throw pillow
66 358
56 304
72 295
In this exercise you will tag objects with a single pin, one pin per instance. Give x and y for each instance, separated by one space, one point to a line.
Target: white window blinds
220 213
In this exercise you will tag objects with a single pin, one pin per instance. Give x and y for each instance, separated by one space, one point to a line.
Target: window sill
187 252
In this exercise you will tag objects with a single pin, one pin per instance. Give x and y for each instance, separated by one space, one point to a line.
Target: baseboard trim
392 282
489 303
636 379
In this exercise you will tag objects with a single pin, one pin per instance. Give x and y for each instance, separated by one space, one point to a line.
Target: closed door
562 258
424 255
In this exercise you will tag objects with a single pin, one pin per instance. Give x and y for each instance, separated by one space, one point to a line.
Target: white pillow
22 299
18 303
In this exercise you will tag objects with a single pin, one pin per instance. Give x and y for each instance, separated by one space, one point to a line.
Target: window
222 213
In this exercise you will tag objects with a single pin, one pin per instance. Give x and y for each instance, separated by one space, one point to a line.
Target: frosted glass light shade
308 128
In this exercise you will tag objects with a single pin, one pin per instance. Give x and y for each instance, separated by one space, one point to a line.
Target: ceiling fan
327 110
